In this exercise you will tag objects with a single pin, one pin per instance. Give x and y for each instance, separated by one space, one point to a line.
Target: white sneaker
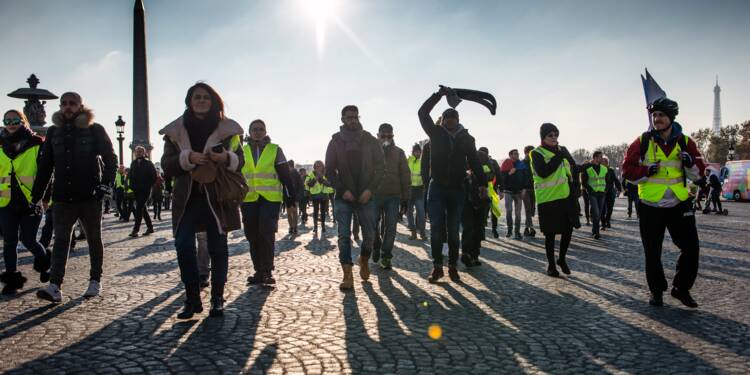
93 289
51 293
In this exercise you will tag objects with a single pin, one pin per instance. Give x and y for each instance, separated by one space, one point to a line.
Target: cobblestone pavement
506 316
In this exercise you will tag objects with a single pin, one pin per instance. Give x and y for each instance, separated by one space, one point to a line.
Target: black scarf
199 129
351 137
18 142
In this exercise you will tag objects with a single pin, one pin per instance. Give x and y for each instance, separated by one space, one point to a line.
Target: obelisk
140 80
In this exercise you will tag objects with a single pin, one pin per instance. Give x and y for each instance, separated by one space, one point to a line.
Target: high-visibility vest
494 198
318 188
328 189
118 181
669 175
24 166
415 166
597 182
262 179
554 186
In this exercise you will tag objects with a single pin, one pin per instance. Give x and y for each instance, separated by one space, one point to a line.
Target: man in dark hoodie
394 188
354 167
72 151
452 149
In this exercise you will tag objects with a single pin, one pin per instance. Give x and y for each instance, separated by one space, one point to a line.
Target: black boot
13 281
563 266
42 265
510 232
217 301
193 303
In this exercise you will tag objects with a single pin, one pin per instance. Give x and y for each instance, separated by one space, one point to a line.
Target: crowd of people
216 179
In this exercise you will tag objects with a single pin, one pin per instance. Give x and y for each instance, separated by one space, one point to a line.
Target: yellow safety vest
318 188
555 186
24 166
598 182
494 198
262 179
668 176
118 181
415 166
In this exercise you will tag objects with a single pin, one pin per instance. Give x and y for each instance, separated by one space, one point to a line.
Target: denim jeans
12 217
445 206
511 200
596 200
66 215
386 218
196 210
416 202
366 215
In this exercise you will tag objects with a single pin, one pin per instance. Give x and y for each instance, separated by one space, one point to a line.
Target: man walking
593 179
142 178
354 167
74 146
512 184
415 211
611 192
452 149
393 189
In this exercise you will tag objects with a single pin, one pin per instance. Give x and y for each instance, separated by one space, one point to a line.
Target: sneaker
684 297
437 273
453 274
385 263
93 290
51 293
656 300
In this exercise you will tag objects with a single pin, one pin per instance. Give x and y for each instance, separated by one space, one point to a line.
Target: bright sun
321 11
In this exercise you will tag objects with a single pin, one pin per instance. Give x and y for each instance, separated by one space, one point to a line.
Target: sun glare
320 11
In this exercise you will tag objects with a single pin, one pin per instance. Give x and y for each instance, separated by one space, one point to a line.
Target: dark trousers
303 209
586 206
157 201
609 207
680 222
66 215
386 219
320 207
715 201
13 217
197 211
473 223
141 212
445 206
633 201
119 196
260 220
549 246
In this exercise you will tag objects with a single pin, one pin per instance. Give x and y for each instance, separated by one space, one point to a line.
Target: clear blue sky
574 63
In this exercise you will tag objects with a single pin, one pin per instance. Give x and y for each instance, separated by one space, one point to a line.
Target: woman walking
200 145
552 167
157 194
18 157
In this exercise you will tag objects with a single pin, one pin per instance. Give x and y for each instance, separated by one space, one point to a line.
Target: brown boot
364 268
348 282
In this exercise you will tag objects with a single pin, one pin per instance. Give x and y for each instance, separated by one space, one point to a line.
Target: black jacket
79 153
449 153
142 175
354 162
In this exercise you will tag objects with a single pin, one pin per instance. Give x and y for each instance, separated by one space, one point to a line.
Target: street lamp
120 126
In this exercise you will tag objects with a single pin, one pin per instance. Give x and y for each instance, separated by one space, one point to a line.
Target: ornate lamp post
120 126
35 101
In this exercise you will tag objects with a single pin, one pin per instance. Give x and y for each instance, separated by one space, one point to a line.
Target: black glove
652 169
687 160
102 191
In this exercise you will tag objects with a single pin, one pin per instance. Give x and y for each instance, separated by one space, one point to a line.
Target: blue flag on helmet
652 91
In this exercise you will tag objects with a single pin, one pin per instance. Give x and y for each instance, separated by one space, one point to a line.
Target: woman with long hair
553 171
19 148
196 146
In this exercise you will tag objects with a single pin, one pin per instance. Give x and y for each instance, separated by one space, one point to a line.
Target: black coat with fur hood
80 154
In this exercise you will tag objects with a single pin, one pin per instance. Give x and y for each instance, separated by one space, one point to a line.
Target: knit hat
547 128
450 113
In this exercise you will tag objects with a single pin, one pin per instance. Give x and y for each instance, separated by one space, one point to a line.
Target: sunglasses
386 136
14 121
